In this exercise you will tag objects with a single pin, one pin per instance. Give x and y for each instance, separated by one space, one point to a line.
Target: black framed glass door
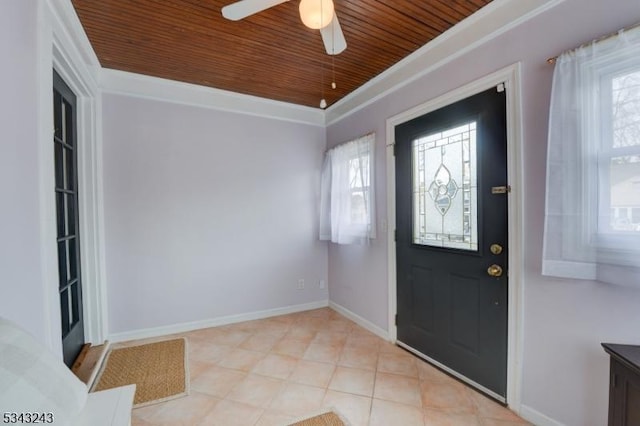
66 189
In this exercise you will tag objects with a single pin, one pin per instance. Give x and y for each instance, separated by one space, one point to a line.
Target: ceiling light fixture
316 14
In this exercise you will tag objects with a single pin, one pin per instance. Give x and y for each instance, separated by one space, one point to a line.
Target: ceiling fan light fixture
316 14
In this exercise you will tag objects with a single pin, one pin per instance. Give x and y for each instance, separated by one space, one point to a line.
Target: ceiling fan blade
243 8
333 37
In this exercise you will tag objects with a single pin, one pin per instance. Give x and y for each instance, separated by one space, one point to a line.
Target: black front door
451 213
66 188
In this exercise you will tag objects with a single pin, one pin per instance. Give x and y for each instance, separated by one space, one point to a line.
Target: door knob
494 270
496 248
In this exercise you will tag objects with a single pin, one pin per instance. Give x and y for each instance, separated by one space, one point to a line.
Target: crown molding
489 22
138 85
71 38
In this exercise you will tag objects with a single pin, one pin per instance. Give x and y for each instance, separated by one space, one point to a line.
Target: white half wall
208 213
564 369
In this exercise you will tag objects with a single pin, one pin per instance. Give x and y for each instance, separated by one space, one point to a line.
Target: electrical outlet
321 284
300 283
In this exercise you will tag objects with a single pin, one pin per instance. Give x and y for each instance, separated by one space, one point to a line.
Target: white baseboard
96 369
536 417
214 322
360 321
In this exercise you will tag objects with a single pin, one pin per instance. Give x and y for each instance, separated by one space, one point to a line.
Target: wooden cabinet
624 384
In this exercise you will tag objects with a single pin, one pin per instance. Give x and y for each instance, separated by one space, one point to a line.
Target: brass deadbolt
496 248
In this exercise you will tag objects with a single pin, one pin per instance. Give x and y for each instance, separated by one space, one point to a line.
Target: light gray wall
207 213
19 255
565 371
22 298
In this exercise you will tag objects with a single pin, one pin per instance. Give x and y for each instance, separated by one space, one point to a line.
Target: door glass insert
66 189
445 189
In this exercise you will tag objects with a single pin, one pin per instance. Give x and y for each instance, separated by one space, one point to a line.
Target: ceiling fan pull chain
323 101
333 72
333 58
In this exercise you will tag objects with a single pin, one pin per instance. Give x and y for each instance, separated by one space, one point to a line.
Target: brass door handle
494 270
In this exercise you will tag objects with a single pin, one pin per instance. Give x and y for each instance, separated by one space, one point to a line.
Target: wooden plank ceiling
270 54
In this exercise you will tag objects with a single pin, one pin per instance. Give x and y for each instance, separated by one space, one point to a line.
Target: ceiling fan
315 14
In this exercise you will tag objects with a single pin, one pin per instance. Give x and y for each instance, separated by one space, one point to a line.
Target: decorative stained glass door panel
445 204
451 239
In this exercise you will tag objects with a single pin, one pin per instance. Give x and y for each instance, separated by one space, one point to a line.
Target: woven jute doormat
159 370
325 419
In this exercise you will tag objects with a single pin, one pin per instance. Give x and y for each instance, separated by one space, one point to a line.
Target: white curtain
592 220
347 197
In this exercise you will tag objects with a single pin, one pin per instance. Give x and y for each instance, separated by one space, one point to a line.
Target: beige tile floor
277 370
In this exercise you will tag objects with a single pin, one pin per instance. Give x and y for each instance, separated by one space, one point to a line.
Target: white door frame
510 76
89 201
60 47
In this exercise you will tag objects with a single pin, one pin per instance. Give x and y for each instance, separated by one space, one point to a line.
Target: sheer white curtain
592 221
347 203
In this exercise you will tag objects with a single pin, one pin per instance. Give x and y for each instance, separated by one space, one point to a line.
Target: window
359 178
347 204
592 222
619 157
